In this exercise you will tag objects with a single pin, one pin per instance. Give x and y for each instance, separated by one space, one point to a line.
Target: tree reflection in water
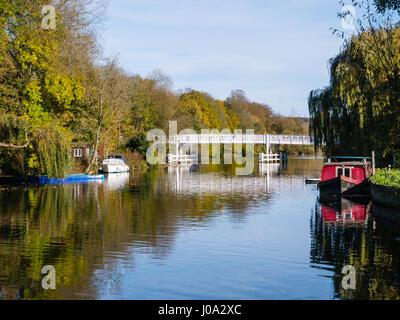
357 234
93 233
86 230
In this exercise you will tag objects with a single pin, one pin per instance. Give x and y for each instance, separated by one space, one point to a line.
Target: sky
276 51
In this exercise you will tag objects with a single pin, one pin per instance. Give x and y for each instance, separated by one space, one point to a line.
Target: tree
152 102
198 111
107 103
385 5
37 87
360 110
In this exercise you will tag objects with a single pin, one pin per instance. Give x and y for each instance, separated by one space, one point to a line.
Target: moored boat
73 178
345 178
312 180
114 164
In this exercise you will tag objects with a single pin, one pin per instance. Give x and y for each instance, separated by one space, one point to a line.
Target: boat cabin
117 157
114 164
354 170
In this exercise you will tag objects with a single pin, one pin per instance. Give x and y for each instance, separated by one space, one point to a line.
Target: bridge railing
291 139
263 157
242 138
218 138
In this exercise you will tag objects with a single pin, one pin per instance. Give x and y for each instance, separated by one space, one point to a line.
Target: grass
387 178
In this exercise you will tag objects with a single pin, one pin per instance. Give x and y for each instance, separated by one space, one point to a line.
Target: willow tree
360 110
42 150
385 5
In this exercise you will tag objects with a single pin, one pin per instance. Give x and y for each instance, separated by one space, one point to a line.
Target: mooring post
267 145
373 162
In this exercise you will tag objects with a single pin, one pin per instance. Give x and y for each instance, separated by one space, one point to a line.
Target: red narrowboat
348 178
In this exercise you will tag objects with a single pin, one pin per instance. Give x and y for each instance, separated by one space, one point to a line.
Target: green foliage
200 110
152 102
55 87
37 86
52 155
387 177
47 152
251 115
138 143
13 128
359 111
384 5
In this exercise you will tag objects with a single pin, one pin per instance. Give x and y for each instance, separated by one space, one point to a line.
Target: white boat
114 164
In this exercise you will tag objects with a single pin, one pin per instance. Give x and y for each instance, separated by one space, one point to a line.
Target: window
77 153
343 172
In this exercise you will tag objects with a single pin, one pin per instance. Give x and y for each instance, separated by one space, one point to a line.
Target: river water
196 232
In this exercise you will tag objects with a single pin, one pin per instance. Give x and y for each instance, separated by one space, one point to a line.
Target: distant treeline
56 88
359 111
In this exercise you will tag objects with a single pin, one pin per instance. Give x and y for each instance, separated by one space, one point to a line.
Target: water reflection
116 181
345 213
196 232
189 180
86 232
358 235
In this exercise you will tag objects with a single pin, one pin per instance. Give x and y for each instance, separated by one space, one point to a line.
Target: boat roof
116 156
351 158
346 163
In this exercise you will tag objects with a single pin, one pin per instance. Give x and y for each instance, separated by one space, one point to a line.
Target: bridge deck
242 138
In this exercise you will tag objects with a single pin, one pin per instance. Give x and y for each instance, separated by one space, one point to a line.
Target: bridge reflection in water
196 232
185 180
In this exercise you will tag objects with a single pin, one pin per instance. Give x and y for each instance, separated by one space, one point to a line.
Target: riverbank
385 187
387 177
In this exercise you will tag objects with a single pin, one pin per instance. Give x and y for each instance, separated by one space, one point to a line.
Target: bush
387 177
138 143
134 160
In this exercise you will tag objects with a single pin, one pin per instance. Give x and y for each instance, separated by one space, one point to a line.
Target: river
196 232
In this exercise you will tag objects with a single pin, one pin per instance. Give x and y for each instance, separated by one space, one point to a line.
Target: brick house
80 152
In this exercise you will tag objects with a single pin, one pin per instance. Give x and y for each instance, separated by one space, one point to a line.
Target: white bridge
185 140
267 139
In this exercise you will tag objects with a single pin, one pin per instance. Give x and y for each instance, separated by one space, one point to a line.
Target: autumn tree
37 87
106 104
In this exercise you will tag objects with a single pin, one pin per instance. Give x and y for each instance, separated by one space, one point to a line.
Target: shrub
387 177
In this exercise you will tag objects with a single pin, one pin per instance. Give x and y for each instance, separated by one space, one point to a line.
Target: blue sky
274 50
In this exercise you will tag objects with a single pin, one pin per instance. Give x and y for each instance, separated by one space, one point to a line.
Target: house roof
80 145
